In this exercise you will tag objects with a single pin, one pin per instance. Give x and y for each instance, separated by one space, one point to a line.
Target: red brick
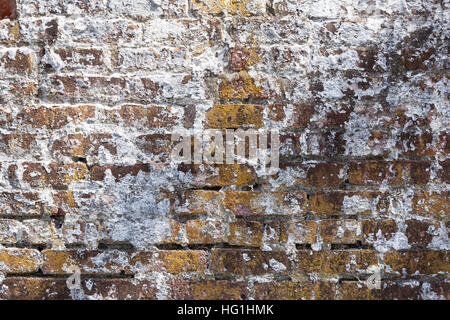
300 232
287 290
203 232
373 230
208 290
54 117
248 262
245 233
342 231
8 9
219 175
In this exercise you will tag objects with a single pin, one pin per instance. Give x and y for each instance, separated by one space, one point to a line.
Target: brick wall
91 91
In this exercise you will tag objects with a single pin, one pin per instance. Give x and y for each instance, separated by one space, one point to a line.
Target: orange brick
230 116
336 261
171 261
340 231
19 260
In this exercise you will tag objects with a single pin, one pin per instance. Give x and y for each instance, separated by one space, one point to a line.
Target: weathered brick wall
91 91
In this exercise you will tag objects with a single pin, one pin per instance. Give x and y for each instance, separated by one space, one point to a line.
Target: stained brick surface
92 90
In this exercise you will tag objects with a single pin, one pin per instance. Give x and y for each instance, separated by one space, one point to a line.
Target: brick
196 202
324 174
286 290
374 172
54 117
144 117
248 262
234 116
432 204
244 86
91 92
79 145
19 145
37 232
165 87
79 88
72 201
208 290
18 90
299 232
55 175
252 203
245 233
19 261
89 261
416 144
243 58
17 61
417 262
314 174
336 261
344 231
203 232
119 289
20 204
21 288
291 116
443 172
283 291
393 172
415 290
171 261
324 144
352 290
244 8
9 231
420 233
219 175
373 230
26 288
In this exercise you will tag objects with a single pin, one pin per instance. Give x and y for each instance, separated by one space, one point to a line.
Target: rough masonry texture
92 90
